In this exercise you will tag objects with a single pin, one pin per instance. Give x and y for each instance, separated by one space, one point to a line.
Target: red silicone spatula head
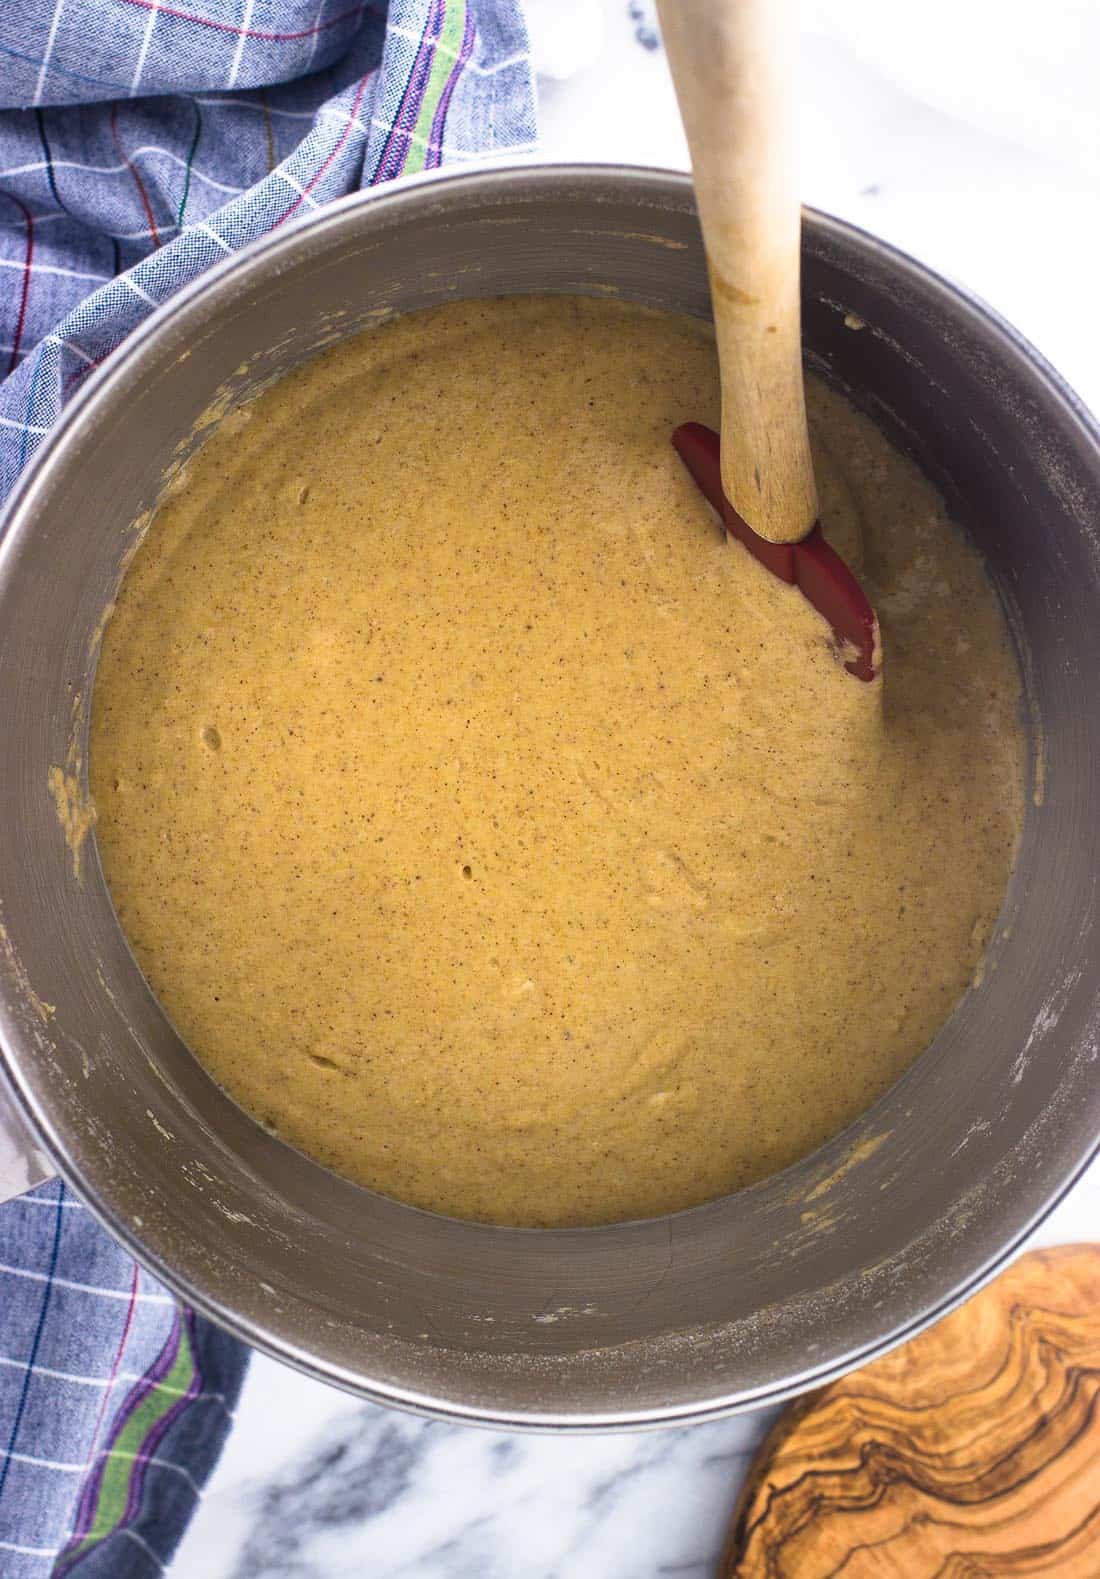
815 568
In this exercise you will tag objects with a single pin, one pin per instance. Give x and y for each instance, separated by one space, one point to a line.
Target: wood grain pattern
972 1451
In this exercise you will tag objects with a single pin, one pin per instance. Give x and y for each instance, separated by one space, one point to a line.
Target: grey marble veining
365 1491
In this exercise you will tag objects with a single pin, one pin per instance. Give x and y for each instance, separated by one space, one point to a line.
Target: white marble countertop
314 1485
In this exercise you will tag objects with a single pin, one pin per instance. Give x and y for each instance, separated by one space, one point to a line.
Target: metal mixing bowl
742 1301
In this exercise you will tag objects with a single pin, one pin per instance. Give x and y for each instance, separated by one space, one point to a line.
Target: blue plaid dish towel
140 142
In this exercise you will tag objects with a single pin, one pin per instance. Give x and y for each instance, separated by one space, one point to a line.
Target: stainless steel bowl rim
19 511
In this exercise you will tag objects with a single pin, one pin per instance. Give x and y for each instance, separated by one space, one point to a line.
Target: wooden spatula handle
733 63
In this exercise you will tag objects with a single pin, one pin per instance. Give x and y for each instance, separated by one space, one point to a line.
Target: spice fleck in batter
499 834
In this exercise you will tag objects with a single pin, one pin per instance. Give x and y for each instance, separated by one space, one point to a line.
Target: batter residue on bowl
496 832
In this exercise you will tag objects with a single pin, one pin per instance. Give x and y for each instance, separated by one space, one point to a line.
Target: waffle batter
499 835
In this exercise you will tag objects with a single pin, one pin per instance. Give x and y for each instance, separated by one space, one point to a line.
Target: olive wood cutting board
972 1452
